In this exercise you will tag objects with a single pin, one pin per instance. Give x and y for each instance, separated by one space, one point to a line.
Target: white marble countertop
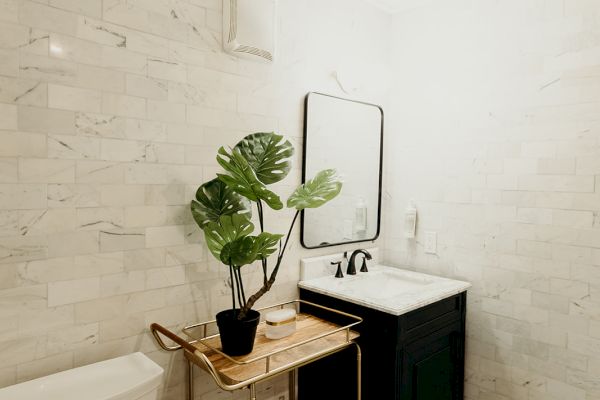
391 290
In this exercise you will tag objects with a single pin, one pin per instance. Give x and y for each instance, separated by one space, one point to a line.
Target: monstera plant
223 210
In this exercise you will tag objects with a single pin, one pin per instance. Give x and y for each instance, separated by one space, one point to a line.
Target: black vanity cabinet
415 356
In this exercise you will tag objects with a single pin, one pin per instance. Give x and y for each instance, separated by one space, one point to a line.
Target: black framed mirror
346 135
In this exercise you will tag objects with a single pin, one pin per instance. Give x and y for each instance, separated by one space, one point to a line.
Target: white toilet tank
131 377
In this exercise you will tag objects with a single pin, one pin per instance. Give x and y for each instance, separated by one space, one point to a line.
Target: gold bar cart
315 338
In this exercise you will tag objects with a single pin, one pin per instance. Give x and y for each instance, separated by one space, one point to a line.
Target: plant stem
262 229
237 286
239 271
232 288
268 284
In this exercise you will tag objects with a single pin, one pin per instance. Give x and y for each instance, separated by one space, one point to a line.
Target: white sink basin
388 289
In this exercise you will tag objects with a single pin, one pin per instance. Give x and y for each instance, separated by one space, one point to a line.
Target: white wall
103 145
494 130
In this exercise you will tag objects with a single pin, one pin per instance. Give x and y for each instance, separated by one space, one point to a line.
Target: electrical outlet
431 242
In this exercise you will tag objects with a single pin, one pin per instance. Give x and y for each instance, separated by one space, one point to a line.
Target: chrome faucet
351 264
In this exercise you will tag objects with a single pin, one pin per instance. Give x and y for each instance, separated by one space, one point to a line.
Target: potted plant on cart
222 209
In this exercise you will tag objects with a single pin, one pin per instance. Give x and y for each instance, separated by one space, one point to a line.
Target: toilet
131 377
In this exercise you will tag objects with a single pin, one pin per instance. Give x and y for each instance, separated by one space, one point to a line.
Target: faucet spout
351 270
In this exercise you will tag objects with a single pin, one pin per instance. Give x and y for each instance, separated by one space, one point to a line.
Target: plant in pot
223 210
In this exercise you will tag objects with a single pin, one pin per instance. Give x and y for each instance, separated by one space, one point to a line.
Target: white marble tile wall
495 132
111 113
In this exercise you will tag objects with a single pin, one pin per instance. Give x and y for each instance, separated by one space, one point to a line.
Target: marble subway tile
23 91
144 258
92 77
73 147
123 60
45 366
9 223
89 124
165 277
99 172
34 170
9 62
13 36
92 8
69 98
77 50
143 216
9 10
8 116
19 248
46 221
73 337
73 243
70 195
122 105
22 196
101 32
166 111
43 120
122 195
164 236
149 88
128 282
100 218
100 309
164 153
43 17
122 239
9 170
123 150
45 69
74 291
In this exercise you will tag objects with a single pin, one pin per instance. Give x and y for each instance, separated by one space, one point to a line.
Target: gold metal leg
253 392
358 371
190 380
293 375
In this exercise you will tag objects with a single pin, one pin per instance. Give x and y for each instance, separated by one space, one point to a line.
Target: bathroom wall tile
49 18
164 236
143 216
100 218
9 10
101 32
34 119
77 50
69 98
45 366
69 195
13 36
122 239
23 91
73 147
22 196
149 88
39 67
8 116
99 172
36 170
8 170
9 223
166 111
100 309
122 105
165 153
9 62
86 7
92 77
22 144
73 243
122 195
165 277
74 291
166 70
122 60
123 150
144 258
77 336
127 282
46 221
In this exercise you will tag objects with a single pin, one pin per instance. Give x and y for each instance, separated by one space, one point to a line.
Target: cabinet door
432 367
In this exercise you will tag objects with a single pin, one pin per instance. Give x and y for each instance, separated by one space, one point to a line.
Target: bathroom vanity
412 337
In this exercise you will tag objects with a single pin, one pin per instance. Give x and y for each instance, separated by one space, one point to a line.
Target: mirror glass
346 135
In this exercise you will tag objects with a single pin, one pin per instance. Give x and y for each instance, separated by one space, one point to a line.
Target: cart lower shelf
314 339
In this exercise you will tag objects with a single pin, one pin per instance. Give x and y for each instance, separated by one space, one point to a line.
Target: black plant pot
237 335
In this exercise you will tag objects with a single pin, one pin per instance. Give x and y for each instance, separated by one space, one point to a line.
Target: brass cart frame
195 356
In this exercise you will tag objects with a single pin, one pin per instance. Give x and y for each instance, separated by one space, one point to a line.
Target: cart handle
156 328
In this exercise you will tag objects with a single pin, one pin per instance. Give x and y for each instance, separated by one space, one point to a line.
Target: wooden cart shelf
314 339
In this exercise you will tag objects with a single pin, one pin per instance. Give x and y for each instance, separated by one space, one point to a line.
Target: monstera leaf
317 191
229 229
267 154
214 199
248 249
243 180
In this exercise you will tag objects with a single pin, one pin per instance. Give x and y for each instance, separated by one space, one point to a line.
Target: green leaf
267 154
243 180
322 188
229 229
248 249
214 199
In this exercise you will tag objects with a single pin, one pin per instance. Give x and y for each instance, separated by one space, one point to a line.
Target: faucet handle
364 265
338 273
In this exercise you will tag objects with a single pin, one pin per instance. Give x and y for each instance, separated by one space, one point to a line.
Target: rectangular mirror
346 135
